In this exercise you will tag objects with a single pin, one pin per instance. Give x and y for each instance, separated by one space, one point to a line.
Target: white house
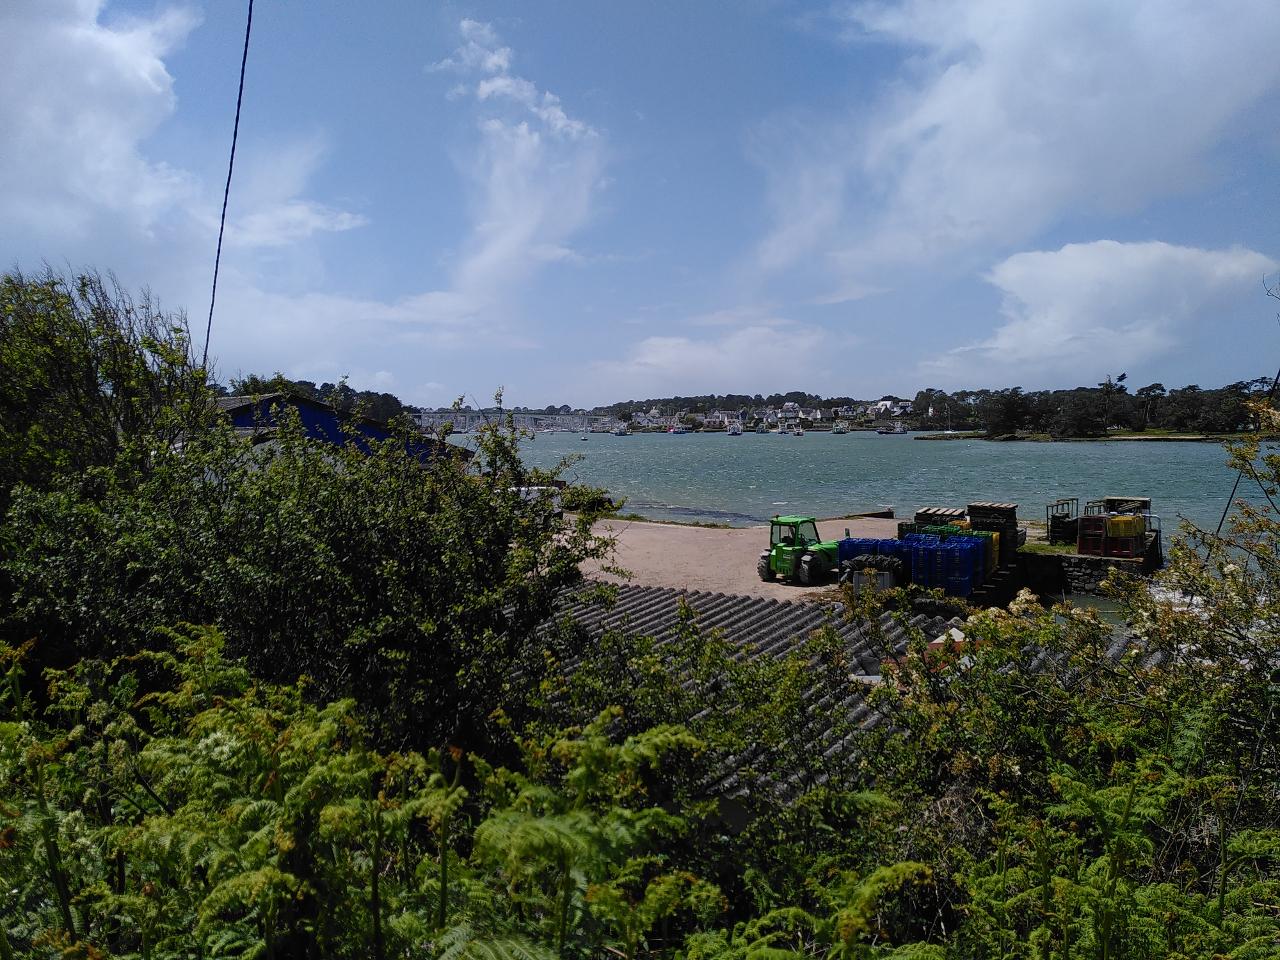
892 407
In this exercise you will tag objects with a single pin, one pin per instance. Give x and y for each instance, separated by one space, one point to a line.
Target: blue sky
584 202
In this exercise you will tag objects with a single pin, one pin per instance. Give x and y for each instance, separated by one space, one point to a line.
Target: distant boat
762 427
798 431
584 436
677 429
734 429
840 427
897 428
621 431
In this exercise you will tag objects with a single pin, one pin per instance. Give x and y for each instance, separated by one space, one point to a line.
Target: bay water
739 481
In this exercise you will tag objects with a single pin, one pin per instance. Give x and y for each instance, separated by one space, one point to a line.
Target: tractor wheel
764 569
809 570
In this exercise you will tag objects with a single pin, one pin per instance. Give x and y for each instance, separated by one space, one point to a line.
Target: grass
1050 548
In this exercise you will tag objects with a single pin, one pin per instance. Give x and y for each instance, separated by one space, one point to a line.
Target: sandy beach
713 559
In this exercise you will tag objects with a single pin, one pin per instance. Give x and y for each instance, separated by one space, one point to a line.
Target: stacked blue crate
958 561
957 564
926 568
851 547
980 547
900 550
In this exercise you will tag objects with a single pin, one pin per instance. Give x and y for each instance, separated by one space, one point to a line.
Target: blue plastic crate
926 565
980 546
961 561
922 538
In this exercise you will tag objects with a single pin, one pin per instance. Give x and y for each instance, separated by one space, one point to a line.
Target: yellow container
1126 525
993 547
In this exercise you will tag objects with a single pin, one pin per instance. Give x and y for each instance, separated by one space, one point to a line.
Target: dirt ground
715 560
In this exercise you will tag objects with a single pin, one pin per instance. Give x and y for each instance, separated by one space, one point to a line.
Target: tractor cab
795 551
793 531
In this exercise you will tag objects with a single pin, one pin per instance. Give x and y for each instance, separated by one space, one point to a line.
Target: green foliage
362 571
382 407
232 817
375 744
86 370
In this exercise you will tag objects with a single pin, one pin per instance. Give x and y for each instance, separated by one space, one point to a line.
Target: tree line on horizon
1093 411
1076 412
377 405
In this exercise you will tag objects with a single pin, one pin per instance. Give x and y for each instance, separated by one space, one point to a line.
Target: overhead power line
226 191
1271 395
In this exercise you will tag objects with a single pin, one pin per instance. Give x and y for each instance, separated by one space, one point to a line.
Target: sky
583 203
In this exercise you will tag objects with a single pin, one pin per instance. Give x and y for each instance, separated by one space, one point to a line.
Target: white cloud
847 292
326 336
79 99
82 98
480 50
531 173
744 359
289 221
535 175
268 185
545 106
743 316
1092 308
1011 116
807 198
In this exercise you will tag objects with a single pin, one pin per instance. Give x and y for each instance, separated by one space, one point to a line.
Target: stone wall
1053 574
1085 574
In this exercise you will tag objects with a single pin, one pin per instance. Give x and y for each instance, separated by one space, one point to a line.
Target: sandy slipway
714 560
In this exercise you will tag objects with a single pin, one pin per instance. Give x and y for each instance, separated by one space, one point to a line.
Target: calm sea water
745 480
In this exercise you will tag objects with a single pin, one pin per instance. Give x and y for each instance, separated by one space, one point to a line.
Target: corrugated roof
773 628
760 626
229 404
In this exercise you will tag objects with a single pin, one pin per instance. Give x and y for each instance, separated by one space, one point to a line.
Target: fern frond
461 943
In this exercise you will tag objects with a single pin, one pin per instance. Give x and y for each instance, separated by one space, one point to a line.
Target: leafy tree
1004 412
1183 408
1150 397
85 371
255 385
137 507
1080 413
1111 391
362 571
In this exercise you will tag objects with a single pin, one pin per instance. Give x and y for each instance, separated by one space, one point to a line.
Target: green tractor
796 553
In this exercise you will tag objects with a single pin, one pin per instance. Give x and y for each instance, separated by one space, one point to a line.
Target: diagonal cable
226 191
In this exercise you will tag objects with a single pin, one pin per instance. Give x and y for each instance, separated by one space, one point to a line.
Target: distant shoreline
1117 438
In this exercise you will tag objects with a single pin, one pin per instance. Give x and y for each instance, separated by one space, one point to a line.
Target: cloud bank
1010 117
1101 306
752 351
